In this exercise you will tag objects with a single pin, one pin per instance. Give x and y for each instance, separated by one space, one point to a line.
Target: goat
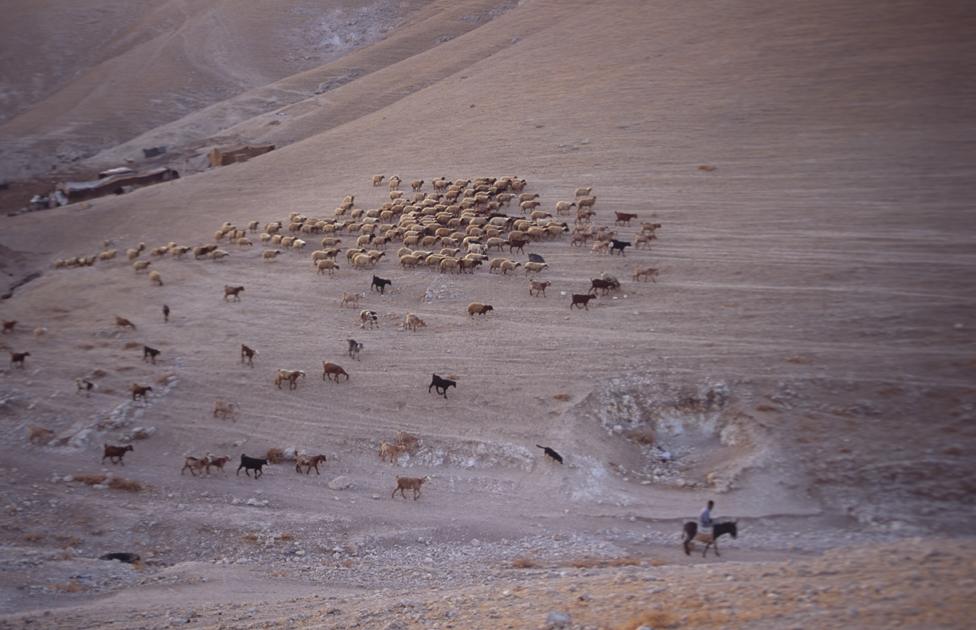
380 284
122 322
412 322
551 453
251 463
390 451
291 376
115 453
581 299
618 246
84 385
355 347
139 390
216 462
367 317
539 288
309 463
623 218
332 371
441 384
536 258
39 435
165 313
17 358
603 284
8 326
349 298
223 409
150 353
648 273
247 354
234 292
195 465
409 483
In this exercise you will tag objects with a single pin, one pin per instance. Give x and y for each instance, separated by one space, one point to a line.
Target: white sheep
141 265
327 265
156 278
534 267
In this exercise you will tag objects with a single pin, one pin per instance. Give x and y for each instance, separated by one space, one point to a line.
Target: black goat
380 284
618 246
536 258
149 353
251 463
441 384
551 453
604 284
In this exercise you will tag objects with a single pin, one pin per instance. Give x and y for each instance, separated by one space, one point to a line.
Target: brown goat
247 354
538 288
39 435
409 483
8 326
140 390
194 465
275 456
226 410
309 463
390 451
17 358
648 273
332 371
234 292
122 322
115 453
217 462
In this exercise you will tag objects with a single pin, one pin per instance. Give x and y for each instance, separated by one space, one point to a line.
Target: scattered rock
341 482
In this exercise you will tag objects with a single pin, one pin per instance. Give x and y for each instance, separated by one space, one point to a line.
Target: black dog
441 384
380 284
251 463
551 453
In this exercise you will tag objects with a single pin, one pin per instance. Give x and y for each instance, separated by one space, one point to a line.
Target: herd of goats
451 229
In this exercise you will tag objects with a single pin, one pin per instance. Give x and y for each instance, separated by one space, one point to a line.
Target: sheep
150 354
133 253
618 246
355 347
17 358
380 284
469 264
244 242
367 317
162 250
39 435
648 273
535 267
247 354
234 292
291 376
224 409
180 250
394 182
441 384
409 483
416 184
298 244
348 202
409 260
528 197
477 308
139 391
8 325
583 192
527 206
350 298
449 264
378 179
141 265
114 453
412 322
219 254
332 372
508 265
270 254
156 278
538 288
108 254
326 265
601 247
585 203
564 207
644 238
39 332
309 463
84 385
252 463
581 299
362 261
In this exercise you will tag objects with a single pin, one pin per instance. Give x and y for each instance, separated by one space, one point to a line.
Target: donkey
710 540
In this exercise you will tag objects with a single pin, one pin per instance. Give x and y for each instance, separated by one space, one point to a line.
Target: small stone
340 483
556 619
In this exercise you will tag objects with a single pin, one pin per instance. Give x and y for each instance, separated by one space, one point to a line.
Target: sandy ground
806 355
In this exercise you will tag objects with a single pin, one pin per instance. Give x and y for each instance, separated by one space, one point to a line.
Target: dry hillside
806 355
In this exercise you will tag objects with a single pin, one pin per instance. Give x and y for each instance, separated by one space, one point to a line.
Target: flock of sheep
451 229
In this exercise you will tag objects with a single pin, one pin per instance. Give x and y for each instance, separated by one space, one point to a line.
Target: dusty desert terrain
806 355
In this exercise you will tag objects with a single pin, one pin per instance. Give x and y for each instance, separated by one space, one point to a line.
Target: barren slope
819 279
